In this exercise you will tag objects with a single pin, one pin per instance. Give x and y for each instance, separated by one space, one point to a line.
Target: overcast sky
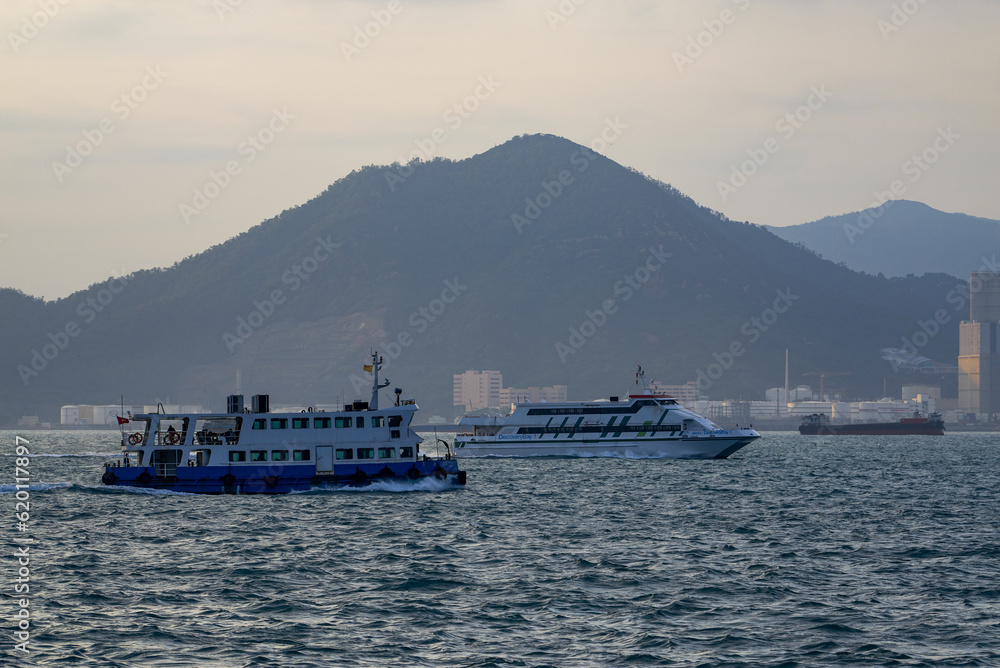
115 115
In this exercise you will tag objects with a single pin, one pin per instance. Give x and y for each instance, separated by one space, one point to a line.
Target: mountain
539 258
903 237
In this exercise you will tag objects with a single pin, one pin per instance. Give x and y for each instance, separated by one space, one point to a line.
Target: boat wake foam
392 486
148 491
35 487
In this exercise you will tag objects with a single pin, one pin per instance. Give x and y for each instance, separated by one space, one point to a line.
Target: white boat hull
718 445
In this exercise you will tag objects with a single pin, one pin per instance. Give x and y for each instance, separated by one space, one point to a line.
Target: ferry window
406 451
359 422
279 455
258 455
395 420
279 423
345 454
300 423
394 433
260 423
378 421
237 456
300 455
366 453
321 423
387 453
341 422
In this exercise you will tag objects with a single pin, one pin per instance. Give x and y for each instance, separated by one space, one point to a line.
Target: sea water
796 551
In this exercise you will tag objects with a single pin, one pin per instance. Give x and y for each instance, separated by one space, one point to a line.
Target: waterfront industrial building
979 350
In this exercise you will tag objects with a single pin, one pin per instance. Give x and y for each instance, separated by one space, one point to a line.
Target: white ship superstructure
259 452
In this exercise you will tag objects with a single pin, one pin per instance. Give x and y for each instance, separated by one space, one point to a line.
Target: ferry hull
277 480
711 447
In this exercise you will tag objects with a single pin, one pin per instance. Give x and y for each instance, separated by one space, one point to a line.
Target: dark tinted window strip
593 410
597 429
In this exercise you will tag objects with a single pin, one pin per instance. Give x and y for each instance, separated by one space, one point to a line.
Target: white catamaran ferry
646 424
259 452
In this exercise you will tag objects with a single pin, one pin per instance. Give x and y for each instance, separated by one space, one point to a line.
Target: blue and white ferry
254 451
644 425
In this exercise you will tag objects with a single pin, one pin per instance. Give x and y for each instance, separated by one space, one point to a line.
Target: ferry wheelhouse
254 451
644 425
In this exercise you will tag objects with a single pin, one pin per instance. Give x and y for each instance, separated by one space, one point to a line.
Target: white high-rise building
476 390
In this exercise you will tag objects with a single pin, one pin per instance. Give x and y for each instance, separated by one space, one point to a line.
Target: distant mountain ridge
441 274
903 237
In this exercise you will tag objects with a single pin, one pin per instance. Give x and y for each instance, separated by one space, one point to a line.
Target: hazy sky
115 113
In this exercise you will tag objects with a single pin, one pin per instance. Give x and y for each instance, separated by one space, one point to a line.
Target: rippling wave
798 551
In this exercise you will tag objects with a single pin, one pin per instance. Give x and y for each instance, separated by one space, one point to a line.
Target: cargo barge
819 424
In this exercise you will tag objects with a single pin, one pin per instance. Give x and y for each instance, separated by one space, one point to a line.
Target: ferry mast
376 365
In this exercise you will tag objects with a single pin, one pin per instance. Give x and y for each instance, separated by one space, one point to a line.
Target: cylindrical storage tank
69 415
